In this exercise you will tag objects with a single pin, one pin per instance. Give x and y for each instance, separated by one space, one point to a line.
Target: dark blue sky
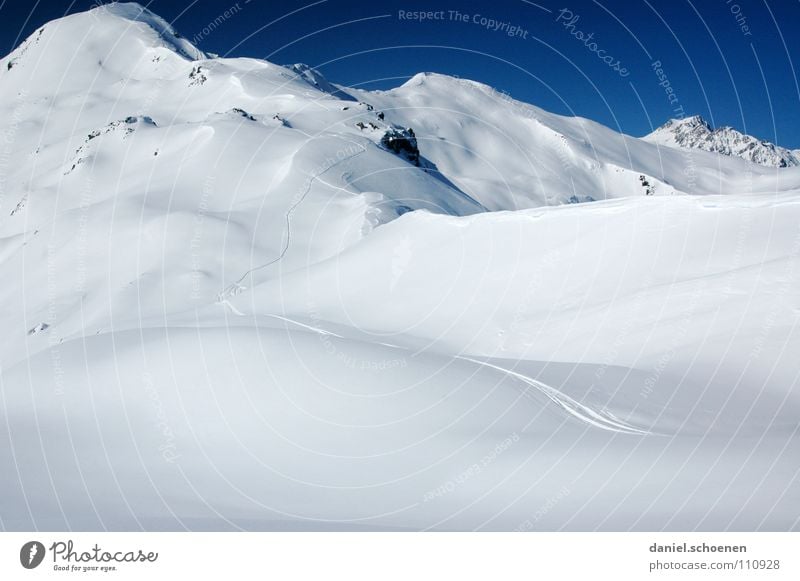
744 77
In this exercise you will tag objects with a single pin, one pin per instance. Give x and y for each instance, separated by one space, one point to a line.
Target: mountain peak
417 79
693 121
109 32
696 133
107 44
127 10
427 77
134 12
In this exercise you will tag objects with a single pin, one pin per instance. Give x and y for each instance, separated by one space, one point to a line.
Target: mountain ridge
694 132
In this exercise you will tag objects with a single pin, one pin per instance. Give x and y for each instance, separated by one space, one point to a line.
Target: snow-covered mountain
237 295
695 133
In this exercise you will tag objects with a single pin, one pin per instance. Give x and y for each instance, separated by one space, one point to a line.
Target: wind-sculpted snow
238 296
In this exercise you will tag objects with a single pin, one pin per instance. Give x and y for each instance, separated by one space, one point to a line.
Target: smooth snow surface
227 304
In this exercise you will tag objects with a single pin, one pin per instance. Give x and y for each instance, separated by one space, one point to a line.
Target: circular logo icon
31 554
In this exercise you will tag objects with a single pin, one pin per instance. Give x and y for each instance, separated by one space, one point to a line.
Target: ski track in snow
237 287
304 326
574 408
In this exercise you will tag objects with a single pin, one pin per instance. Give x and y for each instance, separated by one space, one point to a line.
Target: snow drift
238 296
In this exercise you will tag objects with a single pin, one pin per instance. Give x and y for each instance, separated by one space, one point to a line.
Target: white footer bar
400 556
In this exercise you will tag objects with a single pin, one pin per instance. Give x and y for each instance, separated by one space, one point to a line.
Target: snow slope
229 301
510 155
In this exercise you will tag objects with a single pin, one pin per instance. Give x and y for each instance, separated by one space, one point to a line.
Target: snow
695 133
226 305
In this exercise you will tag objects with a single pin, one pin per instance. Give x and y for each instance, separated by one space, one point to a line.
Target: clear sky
732 61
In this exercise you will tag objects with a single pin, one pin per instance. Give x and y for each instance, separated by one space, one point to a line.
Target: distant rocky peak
696 133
